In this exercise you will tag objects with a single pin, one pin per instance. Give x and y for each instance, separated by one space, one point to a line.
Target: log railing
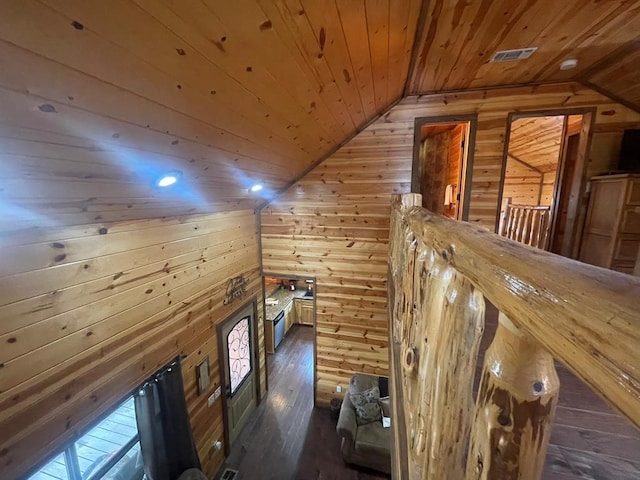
440 272
528 224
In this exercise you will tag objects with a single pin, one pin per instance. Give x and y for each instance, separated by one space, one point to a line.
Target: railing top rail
587 317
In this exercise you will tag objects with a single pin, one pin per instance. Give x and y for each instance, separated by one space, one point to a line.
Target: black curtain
166 439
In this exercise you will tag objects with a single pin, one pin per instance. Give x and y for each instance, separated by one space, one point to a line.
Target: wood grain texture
87 313
459 39
437 318
527 285
100 100
516 406
334 223
536 141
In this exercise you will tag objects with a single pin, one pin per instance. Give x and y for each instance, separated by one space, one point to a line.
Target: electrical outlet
214 396
339 389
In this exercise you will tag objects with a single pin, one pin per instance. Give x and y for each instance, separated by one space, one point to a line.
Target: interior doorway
443 150
290 305
543 179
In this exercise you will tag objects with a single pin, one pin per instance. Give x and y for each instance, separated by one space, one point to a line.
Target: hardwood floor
288 439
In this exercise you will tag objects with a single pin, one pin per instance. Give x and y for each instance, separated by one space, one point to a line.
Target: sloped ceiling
535 142
98 98
458 38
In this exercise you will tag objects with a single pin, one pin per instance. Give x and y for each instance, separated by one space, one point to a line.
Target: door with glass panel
238 370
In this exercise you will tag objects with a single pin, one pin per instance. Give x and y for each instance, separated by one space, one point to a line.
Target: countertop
284 297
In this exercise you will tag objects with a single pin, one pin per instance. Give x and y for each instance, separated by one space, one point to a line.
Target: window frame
69 452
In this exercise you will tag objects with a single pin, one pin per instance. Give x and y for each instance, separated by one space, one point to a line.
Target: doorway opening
543 179
443 151
290 305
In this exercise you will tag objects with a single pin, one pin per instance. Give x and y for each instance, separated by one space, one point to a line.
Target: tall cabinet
611 236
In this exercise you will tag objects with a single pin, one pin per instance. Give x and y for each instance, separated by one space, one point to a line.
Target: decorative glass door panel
239 352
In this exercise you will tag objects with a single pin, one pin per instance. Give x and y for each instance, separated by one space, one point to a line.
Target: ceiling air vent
508 55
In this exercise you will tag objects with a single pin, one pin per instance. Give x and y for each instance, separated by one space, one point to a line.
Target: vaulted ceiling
97 99
535 142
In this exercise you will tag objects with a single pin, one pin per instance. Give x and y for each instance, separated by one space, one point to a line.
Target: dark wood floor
288 439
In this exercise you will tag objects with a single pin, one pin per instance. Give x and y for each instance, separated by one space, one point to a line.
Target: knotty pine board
86 316
333 223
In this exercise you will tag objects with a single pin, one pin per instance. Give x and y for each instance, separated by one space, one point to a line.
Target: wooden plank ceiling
535 142
459 38
98 99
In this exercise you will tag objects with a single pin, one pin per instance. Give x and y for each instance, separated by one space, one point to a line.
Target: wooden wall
89 312
435 167
333 224
522 184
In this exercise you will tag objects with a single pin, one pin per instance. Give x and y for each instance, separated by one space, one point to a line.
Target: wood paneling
521 184
459 39
334 223
88 312
619 74
101 99
536 141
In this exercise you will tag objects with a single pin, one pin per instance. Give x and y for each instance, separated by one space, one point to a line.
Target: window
239 351
109 450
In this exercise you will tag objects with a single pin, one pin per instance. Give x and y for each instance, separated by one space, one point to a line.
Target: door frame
472 119
253 301
578 185
315 330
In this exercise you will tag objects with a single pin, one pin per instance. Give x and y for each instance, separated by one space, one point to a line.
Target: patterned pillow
366 405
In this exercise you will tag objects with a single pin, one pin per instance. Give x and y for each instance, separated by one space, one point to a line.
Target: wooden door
566 179
238 370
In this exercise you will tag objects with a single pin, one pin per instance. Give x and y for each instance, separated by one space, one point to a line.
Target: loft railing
440 272
528 224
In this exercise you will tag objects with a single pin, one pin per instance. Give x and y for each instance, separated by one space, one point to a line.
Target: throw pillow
366 405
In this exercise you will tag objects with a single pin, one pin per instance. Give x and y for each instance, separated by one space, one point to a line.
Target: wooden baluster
440 354
535 228
515 408
526 231
509 228
400 280
504 218
544 229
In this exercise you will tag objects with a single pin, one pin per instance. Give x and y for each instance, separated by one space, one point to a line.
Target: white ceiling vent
508 55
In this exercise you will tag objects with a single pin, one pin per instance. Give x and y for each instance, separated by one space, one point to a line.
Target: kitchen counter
284 297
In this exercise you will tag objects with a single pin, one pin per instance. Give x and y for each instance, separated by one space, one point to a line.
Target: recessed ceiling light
569 64
169 179
256 188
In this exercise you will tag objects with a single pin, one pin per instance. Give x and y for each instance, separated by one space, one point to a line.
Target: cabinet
289 317
304 310
269 336
611 236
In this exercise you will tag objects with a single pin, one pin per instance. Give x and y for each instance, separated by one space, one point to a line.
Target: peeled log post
516 405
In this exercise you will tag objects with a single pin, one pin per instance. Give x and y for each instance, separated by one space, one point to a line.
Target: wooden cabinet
304 310
289 316
269 336
611 236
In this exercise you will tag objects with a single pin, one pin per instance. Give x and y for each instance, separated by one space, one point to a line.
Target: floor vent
229 474
508 55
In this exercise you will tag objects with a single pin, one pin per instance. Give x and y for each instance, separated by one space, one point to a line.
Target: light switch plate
211 399
339 389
